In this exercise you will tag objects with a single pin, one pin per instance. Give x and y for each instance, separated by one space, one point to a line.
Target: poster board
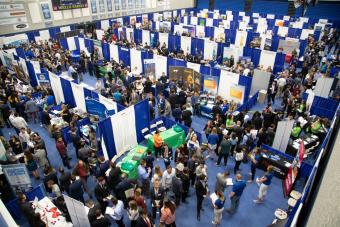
150 69
282 135
210 84
227 80
288 45
236 52
77 212
188 77
260 81
323 87
17 175
267 59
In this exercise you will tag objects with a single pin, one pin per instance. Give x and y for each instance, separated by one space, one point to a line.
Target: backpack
250 141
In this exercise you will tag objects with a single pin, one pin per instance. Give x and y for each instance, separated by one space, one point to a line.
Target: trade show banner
96 108
229 80
150 69
210 84
43 79
237 93
188 77
17 175
288 45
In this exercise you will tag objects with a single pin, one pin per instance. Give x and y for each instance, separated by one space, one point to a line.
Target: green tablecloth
102 71
130 164
170 137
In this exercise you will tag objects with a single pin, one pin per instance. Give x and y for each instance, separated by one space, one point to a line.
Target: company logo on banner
210 84
96 108
43 77
294 169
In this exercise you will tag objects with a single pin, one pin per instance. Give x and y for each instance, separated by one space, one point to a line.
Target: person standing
224 150
157 197
167 177
133 213
158 143
76 190
177 187
201 193
82 170
212 143
264 183
64 180
144 177
168 214
221 181
118 211
192 165
61 147
186 116
101 191
238 159
218 208
100 221
236 194
255 158
91 215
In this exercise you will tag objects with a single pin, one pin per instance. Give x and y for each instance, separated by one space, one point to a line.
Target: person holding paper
236 194
201 193
116 211
218 208
255 159
221 181
101 191
157 196
264 183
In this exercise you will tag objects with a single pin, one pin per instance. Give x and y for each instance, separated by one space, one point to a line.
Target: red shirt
82 171
61 148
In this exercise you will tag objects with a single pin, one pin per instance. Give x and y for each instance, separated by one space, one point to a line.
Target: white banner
267 59
79 97
114 54
227 79
57 88
163 38
146 37
136 60
186 44
161 65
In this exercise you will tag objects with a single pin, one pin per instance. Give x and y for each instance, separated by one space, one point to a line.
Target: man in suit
65 180
124 185
100 220
114 176
157 197
76 189
177 187
92 211
101 191
201 193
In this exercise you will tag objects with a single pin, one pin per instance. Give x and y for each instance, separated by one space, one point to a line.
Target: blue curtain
63 44
303 44
30 36
105 131
305 170
89 45
68 93
106 51
324 107
255 57
209 32
142 115
13 206
199 48
31 73
205 70
245 81
20 52
275 43
124 55
279 62
87 93
171 43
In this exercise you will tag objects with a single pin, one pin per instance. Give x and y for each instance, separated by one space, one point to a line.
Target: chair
160 126
153 128
146 133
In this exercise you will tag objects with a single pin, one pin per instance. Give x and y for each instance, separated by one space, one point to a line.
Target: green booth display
131 161
173 137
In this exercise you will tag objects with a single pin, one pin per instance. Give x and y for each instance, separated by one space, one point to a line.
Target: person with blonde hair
264 183
133 213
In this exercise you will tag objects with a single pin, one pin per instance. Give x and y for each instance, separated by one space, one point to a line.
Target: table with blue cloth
75 56
206 109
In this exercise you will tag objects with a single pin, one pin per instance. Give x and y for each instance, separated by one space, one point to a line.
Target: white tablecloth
44 208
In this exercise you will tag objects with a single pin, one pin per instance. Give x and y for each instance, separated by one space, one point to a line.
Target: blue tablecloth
206 110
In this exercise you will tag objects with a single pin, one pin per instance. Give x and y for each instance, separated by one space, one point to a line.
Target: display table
171 137
281 164
130 163
206 109
309 141
50 214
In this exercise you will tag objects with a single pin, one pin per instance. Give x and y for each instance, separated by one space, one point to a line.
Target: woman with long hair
218 208
168 214
31 164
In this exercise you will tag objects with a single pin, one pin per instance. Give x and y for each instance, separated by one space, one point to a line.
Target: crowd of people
159 189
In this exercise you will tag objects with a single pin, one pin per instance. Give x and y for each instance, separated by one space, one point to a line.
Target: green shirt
296 132
229 122
225 146
315 127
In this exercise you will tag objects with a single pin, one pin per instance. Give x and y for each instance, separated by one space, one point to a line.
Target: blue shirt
219 203
50 100
213 139
117 96
238 187
269 177
257 159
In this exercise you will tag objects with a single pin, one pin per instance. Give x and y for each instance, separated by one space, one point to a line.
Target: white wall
10 28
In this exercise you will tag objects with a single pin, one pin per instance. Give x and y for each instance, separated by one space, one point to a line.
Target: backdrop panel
260 81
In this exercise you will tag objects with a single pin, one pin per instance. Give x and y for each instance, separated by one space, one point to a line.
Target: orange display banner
236 93
210 84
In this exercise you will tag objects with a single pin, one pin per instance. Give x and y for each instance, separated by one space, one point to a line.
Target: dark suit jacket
159 196
142 223
102 222
177 187
76 190
65 181
200 189
114 177
101 192
92 213
27 210
51 176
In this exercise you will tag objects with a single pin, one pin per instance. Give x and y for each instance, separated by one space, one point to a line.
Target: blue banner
96 108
